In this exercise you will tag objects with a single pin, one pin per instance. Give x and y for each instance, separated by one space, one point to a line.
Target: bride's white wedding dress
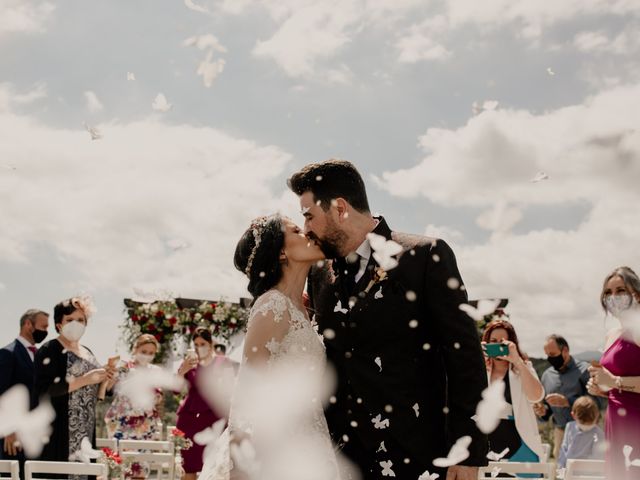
279 408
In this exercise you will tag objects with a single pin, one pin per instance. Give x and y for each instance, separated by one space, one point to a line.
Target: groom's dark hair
329 180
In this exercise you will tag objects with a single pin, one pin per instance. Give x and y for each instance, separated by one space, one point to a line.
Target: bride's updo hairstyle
258 253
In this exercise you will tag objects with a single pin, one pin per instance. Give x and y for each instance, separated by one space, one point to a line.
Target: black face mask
39 335
556 362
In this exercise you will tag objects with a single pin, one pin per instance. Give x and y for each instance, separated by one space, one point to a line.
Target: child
583 438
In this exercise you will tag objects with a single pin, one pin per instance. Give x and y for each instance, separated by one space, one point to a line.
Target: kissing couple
374 372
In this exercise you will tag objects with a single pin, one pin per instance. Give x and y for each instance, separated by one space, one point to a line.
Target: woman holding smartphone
518 428
194 413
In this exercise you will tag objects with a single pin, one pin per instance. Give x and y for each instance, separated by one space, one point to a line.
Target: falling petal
459 452
540 176
386 469
160 103
378 361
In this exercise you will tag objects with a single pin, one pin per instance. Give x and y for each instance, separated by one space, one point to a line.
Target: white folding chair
584 470
162 463
547 470
148 445
64 468
546 452
111 443
11 467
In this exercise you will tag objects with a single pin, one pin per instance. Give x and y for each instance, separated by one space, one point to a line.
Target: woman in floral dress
123 421
70 375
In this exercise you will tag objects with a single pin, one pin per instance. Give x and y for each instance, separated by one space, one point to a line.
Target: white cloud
10 98
93 102
312 31
24 16
417 42
553 277
112 209
626 42
586 149
208 68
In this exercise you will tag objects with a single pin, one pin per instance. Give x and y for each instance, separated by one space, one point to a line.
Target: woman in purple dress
194 413
618 375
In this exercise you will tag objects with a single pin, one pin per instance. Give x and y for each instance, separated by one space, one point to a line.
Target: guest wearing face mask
70 375
123 420
17 368
564 382
583 438
194 413
618 375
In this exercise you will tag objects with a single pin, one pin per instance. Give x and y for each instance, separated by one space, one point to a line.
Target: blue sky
449 108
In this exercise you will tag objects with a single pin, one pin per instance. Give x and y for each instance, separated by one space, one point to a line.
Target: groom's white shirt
364 250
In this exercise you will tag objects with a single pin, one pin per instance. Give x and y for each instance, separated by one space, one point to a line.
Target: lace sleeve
269 323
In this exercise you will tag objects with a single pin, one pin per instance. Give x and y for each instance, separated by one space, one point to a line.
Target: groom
409 363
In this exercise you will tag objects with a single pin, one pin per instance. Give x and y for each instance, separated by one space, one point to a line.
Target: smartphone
496 349
191 354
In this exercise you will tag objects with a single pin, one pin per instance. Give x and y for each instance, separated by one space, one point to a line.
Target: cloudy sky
450 109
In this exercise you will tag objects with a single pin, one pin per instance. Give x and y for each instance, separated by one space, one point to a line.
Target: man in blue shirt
564 382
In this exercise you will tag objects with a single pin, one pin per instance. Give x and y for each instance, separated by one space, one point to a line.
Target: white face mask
616 304
584 427
73 331
203 352
142 359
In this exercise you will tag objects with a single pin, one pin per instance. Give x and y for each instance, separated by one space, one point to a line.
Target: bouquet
180 442
113 461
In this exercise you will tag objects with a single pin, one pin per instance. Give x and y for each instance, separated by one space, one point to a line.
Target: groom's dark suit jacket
429 374
16 367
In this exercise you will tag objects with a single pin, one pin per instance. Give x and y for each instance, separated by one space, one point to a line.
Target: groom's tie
347 271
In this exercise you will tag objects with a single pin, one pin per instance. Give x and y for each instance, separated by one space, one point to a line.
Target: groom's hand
460 472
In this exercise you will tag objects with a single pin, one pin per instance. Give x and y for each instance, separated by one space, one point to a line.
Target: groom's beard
332 242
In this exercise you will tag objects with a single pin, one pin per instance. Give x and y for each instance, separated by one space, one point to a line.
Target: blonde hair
146 339
585 410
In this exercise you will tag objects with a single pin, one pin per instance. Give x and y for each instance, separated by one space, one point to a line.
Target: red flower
135 318
208 316
173 321
159 314
151 328
176 432
158 337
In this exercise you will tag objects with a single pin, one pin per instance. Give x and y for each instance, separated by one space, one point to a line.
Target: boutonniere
379 275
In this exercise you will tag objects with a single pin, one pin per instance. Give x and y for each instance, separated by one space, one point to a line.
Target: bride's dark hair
258 253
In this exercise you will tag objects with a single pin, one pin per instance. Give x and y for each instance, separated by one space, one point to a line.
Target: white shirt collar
25 342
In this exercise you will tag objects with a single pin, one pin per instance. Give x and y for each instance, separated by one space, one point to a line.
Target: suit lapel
23 353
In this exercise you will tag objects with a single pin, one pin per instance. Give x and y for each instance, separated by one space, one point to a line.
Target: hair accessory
256 229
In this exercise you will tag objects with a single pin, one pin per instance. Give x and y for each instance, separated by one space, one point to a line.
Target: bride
277 428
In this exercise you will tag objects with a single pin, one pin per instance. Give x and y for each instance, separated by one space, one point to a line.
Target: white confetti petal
485 307
491 408
429 476
386 469
338 308
379 423
458 453
416 408
540 176
378 361
496 457
160 103
384 251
